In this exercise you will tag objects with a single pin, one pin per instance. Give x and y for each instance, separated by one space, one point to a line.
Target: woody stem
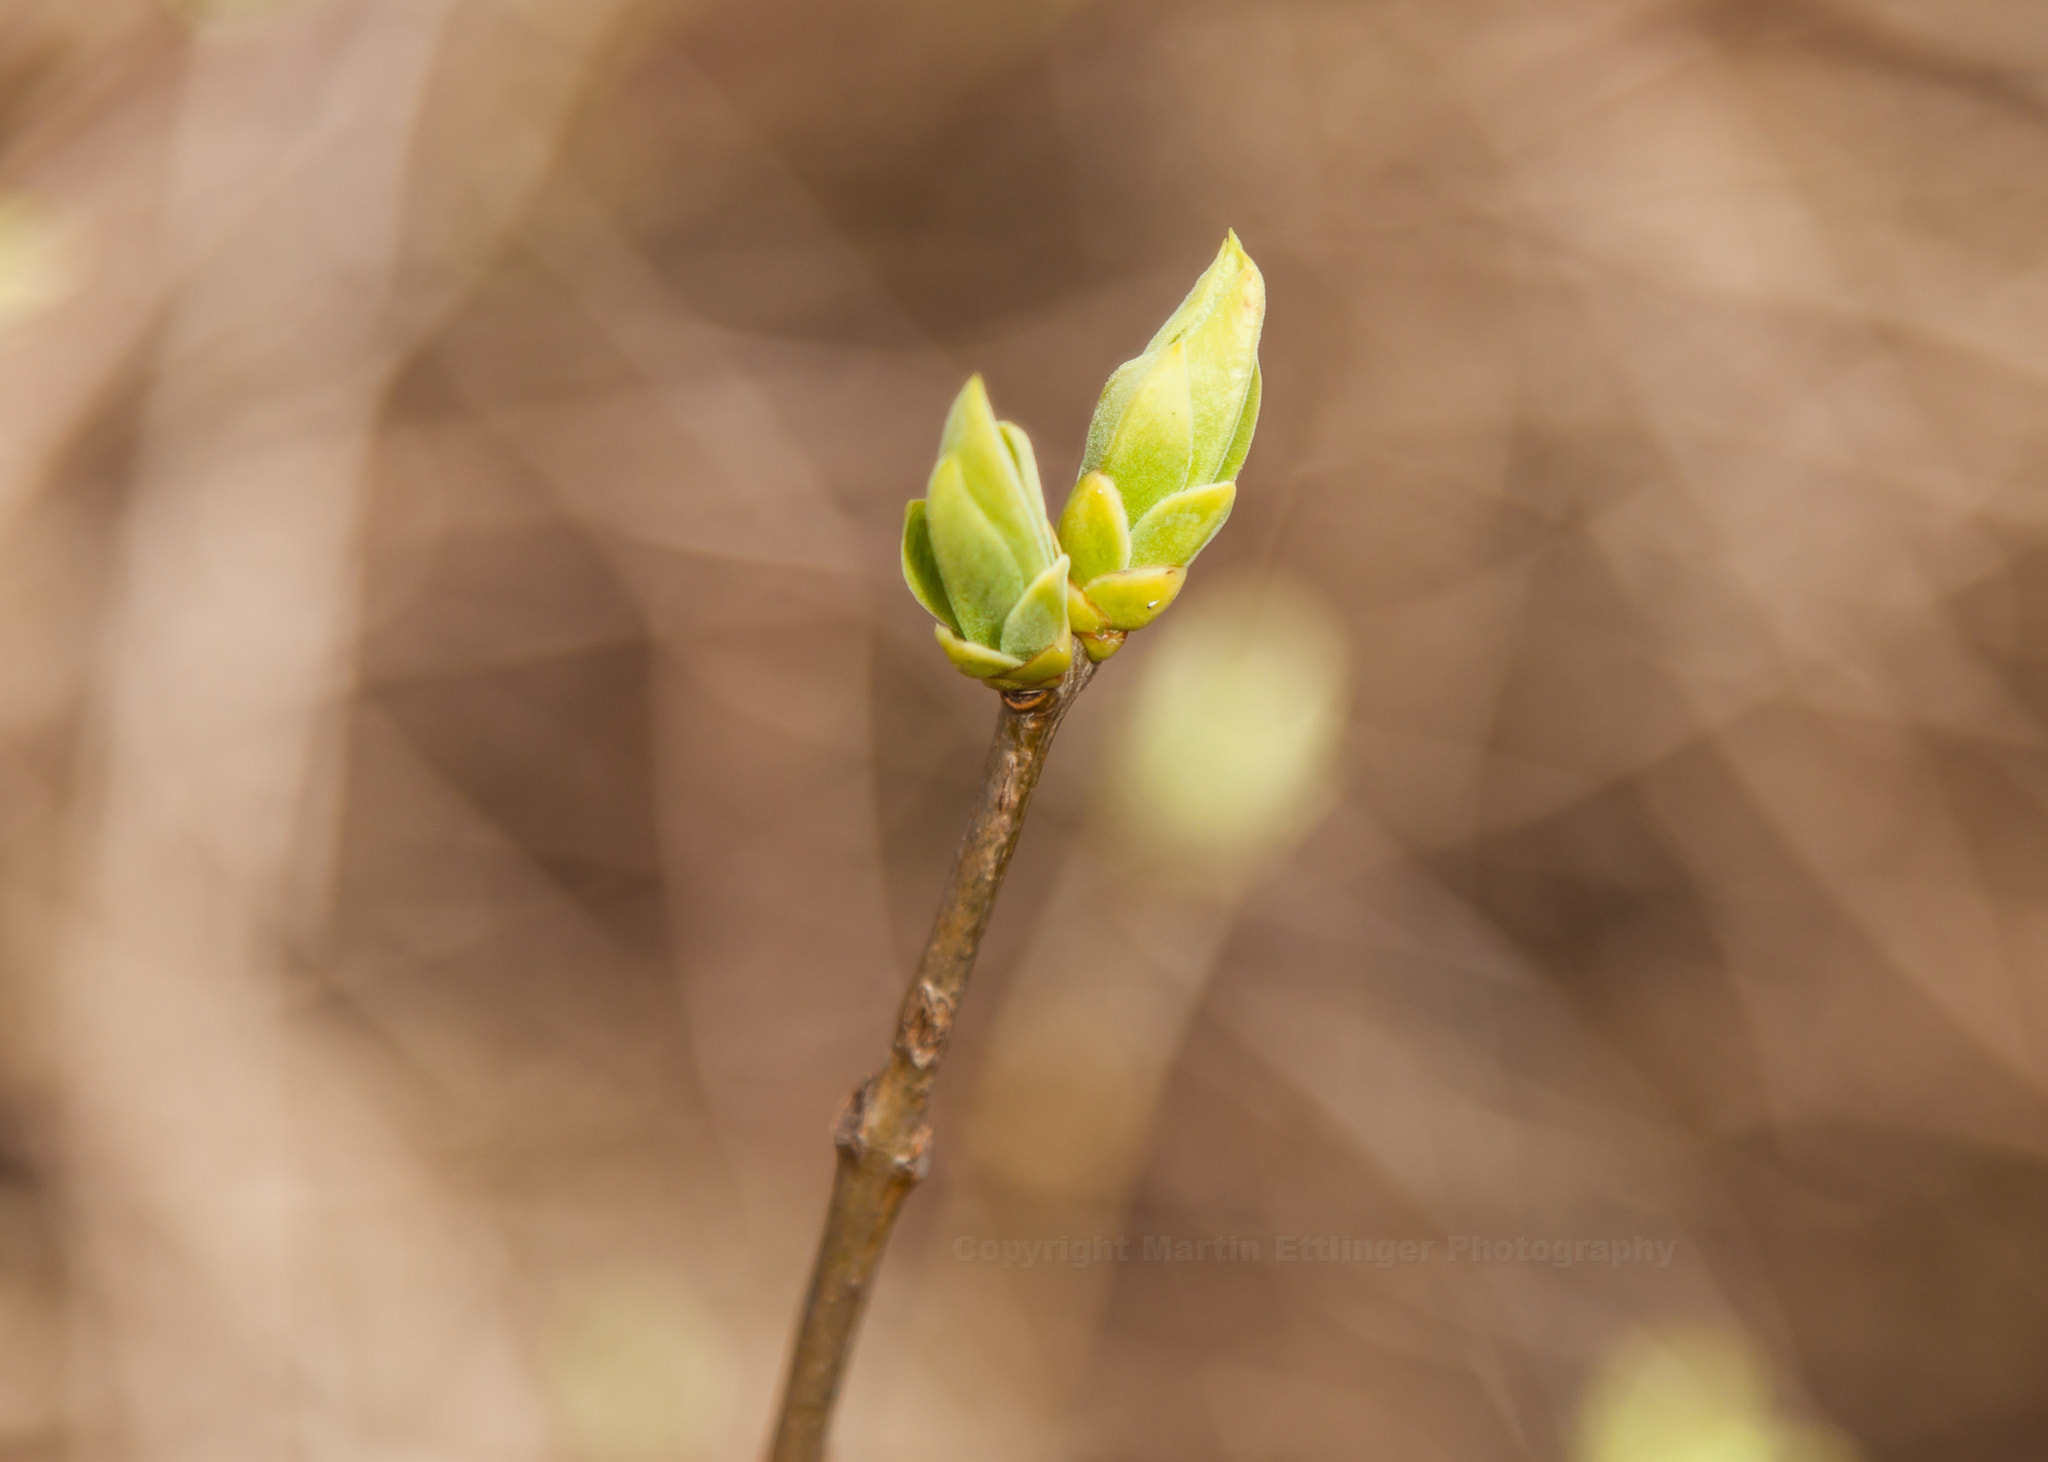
883 1139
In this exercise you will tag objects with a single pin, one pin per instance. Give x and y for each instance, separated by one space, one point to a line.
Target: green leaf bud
999 471
1217 328
1169 435
980 556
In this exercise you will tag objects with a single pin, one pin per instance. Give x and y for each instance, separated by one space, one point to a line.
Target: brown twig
883 1139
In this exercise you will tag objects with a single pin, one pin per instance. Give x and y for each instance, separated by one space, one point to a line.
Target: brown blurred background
471 781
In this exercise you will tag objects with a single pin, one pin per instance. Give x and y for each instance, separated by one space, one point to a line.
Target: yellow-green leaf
971 659
981 576
1081 614
1040 616
1149 455
1180 526
1247 422
989 469
1026 461
1093 528
1219 327
1135 597
921 566
1047 665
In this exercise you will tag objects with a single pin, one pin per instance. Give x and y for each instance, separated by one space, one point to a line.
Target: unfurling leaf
980 556
1169 435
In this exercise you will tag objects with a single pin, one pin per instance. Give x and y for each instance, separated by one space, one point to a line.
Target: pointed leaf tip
969 658
998 471
981 575
1045 543
1040 617
1094 529
1204 362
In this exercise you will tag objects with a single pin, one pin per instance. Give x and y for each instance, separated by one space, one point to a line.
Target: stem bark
883 1139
